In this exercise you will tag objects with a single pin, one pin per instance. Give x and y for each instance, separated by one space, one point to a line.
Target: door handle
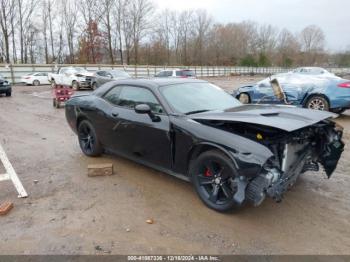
115 114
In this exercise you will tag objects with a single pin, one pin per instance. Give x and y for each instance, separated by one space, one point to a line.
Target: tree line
136 32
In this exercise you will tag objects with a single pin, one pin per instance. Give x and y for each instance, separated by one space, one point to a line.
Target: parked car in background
76 77
313 71
179 73
36 78
5 86
309 91
232 153
103 76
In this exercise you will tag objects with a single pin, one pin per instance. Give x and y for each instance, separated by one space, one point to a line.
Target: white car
76 77
38 78
313 71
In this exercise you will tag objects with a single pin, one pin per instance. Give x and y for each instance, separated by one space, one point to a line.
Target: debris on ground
100 170
150 221
5 208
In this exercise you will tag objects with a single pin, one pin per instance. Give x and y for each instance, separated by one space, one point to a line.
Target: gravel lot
69 213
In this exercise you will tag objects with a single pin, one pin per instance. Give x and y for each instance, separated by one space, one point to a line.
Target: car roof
176 69
151 83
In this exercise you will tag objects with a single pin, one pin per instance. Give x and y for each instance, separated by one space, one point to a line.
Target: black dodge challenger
232 153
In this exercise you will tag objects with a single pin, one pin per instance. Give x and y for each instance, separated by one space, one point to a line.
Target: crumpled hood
286 118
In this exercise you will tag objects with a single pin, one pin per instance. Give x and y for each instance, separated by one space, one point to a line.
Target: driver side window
131 96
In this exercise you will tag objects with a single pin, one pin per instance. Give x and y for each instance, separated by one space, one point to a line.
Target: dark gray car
104 76
5 86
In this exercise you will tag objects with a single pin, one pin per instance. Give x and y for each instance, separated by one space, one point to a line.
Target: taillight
27 77
344 85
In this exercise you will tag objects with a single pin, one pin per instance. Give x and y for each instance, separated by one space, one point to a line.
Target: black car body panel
287 118
270 146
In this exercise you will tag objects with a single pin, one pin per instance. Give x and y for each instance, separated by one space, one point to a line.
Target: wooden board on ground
100 170
5 208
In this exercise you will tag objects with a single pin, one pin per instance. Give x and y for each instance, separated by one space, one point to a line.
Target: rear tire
88 140
213 176
75 85
317 102
8 93
244 98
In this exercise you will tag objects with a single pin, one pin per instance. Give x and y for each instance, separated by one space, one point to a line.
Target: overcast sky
333 16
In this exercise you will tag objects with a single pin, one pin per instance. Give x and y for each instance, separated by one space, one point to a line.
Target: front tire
317 102
8 93
36 82
88 140
213 176
244 98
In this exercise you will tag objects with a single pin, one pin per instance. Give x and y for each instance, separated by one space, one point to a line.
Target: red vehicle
61 94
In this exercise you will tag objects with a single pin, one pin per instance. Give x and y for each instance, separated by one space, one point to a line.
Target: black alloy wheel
213 175
88 140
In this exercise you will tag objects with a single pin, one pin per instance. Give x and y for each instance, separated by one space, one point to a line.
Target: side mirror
142 109
146 109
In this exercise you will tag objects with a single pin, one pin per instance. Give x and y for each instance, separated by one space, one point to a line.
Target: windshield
80 70
117 73
190 98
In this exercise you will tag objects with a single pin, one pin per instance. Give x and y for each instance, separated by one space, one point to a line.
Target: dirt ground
70 213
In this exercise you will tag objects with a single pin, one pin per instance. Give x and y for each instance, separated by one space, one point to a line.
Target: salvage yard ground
70 213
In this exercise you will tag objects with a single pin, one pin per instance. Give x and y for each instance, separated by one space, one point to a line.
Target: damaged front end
294 154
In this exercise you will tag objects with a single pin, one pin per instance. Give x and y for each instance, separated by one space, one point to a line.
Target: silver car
104 76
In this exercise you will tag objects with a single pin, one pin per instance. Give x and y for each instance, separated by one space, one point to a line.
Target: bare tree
185 27
25 12
288 48
267 38
120 17
312 38
164 31
202 23
7 12
70 9
91 18
106 17
50 5
13 33
139 11
312 41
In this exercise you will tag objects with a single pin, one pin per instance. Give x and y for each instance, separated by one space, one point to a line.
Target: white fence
14 72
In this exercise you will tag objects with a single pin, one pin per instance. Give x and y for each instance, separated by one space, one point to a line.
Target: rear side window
185 73
112 95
